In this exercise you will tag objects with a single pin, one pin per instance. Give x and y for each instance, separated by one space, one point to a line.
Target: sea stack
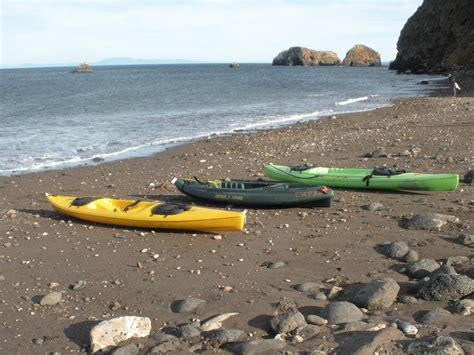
306 57
439 37
362 56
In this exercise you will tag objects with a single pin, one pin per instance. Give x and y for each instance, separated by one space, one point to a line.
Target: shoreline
151 148
99 160
42 251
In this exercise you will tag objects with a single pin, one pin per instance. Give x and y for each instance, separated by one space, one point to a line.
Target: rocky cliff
439 37
306 57
362 56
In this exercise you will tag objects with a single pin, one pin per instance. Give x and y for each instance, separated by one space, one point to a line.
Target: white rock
113 331
407 328
464 307
216 322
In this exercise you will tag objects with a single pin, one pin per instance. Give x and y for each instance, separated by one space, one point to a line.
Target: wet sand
42 251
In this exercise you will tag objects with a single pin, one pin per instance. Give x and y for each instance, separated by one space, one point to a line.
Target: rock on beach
341 312
447 288
428 221
51 299
111 332
377 295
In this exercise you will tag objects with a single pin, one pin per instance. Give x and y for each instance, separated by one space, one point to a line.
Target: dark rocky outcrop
362 56
439 37
306 57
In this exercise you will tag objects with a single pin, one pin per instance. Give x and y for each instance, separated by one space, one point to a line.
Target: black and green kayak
256 193
378 178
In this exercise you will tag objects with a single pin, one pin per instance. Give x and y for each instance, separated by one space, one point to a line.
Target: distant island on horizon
108 61
130 61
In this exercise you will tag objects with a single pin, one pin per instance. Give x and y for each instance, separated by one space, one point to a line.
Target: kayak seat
382 172
166 209
82 201
232 185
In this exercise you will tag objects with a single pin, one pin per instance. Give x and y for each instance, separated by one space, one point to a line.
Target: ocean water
51 118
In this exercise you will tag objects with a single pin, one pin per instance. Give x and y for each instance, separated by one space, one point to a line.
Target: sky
73 31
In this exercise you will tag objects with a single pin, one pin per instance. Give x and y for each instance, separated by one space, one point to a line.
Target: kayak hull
130 213
256 193
363 178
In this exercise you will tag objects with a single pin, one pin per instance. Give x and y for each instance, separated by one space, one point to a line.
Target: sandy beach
143 272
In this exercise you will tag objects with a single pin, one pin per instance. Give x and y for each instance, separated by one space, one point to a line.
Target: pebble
130 349
333 292
466 239
378 153
189 331
407 328
187 305
319 296
408 299
216 321
38 341
305 332
227 336
464 307
161 337
457 260
78 285
373 206
434 315
411 256
170 346
254 347
309 286
277 265
51 299
371 345
316 320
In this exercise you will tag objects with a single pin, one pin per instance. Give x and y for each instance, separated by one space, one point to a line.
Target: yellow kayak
148 214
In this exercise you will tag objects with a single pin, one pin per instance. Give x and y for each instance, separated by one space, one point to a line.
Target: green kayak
378 178
256 193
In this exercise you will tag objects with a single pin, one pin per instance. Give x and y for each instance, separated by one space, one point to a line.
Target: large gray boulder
341 312
445 287
306 57
377 295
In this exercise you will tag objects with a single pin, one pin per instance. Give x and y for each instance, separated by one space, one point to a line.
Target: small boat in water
378 178
82 68
148 214
256 193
